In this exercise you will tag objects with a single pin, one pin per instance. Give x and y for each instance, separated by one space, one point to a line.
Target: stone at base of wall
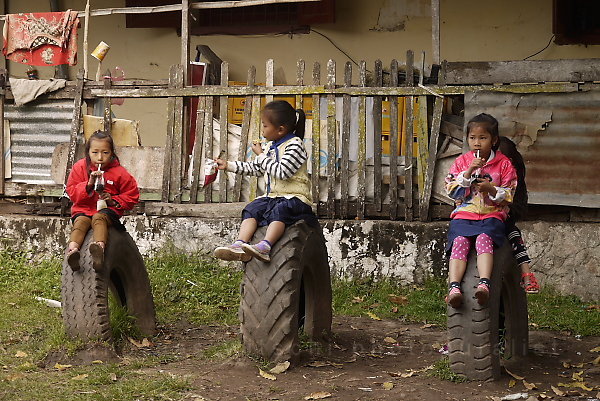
565 255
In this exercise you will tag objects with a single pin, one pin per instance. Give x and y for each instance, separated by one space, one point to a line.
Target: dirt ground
362 361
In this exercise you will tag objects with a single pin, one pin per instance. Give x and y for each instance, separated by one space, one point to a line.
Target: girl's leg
81 226
457 267
275 231
262 250
528 280
485 264
247 229
100 224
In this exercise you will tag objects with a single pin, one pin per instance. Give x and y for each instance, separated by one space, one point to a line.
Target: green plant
441 370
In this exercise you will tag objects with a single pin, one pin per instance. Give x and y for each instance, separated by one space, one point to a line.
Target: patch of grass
121 322
441 370
223 350
193 288
552 311
421 303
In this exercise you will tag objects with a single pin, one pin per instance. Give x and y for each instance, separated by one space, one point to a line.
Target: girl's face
481 140
270 131
100 152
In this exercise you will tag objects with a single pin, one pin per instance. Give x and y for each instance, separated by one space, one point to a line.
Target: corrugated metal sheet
559 137
35 130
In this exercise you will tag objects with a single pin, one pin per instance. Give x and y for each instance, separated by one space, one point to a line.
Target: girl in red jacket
101 190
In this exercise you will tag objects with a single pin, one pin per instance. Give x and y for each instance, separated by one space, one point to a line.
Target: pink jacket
476 206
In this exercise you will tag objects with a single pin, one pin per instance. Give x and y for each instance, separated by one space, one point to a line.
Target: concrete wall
366 30
565 255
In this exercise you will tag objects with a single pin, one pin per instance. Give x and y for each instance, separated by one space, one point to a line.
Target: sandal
482 293
454 298
73 255
97 252
530 286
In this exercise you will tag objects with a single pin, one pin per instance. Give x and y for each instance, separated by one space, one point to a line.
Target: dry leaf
113 377
597 349
266 375
427 325
20 354
592 307
596 361
318 364
388 385
389 340
407 374
80 377
566 365
14 377
319 395
580 385
357 300
395 309
146 343
577 376
97 362
373 306
529 386
58 366
517 377
134 342
280 368
398 300
373 316
579 365
511 383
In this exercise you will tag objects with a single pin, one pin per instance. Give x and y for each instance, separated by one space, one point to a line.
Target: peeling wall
565 255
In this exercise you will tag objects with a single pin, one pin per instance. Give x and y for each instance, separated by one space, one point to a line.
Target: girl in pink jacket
483 181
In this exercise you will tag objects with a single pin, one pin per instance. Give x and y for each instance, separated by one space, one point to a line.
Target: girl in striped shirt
287 198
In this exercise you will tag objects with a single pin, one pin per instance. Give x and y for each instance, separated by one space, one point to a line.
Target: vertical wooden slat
208 141
75 126
331 141
377 151
435 31
107 123
408 157
300 82
269 78
2 160
255 130
421 131
394 143
166 184
224 124
316 137
237 191
433 144
185 38
362 144
179 152
345 166
198 149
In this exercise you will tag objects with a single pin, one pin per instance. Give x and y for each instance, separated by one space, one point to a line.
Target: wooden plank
331 142
179 151
422 140
377 151
433 144
214 90
362 144
75 126
255 131
300 67
224 131
408 140
208 141
185 39
237 190
489 72
107 125
394 134
208 211
198 149
269 78
435 31
166 185
242 3
345 162
316 136
2 160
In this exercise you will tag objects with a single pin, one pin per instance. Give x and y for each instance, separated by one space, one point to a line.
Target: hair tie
297 117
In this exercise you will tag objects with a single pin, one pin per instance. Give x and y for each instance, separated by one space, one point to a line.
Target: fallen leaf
20 354
566 365
428 325
319 395
373 316
579 365
407 374
388 385
398 300
280 368
373 306
266 375
14 377
318 364
511 383
596 361
135 342
146 343
58 366
365 389
80 377
113 377
529 386
389 340
395 309
577 376
517 377
597 349
97 362
357 300
580 385
592 307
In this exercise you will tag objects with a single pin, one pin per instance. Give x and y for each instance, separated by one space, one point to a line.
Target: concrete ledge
565 255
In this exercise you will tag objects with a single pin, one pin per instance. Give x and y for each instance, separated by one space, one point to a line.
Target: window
576 22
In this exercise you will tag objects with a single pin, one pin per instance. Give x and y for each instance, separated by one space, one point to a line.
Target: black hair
99 136
489 123
281 113
518 207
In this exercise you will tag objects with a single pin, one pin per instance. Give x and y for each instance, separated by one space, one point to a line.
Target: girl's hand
105 196
93 175
486 187
221 164
257 148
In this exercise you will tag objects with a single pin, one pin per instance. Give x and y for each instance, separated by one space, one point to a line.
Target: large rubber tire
85 306
474 331
270 309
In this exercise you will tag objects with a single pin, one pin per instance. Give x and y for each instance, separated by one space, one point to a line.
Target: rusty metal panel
558 135
35 130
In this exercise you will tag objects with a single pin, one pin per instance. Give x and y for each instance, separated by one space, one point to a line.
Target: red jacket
118 183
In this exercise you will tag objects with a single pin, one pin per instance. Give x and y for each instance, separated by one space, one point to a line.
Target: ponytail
300 123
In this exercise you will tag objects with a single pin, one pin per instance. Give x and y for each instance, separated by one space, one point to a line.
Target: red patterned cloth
41 38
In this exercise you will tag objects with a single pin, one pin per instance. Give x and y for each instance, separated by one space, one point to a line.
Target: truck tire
270 311
475 331
84 293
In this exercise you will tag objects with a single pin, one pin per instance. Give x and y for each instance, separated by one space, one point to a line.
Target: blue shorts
471 228
266 210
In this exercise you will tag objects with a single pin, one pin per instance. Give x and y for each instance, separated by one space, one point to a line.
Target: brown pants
99 223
